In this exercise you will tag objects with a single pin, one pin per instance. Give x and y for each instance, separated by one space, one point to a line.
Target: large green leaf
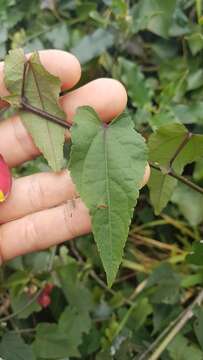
162 146
107 165
42 91
12 347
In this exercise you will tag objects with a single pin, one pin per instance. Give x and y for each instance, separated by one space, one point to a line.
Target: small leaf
162 146
42 91
107 165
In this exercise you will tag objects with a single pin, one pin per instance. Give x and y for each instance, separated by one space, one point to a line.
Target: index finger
63 65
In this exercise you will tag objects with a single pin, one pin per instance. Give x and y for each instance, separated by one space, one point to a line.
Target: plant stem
180 147
181 178
199 9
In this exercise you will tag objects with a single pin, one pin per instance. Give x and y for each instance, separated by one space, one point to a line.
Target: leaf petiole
25 105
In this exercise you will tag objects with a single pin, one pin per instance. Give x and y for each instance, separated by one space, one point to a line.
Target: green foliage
154 47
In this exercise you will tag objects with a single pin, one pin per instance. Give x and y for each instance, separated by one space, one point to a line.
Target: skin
39 212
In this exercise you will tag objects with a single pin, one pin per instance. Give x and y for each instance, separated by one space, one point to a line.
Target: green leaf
42 91
93 45
23 306
76 294
12 347
154 15
167 284
162 118
182 349
189 202
196 255
107 165
195 42
198 326
63 339
190 113
162 146
138 89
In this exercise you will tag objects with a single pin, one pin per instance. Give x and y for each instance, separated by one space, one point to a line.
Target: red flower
5 180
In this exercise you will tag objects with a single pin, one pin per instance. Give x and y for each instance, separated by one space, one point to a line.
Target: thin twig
181 178
187 315
35 297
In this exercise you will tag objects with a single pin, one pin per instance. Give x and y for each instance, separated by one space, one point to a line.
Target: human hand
39 212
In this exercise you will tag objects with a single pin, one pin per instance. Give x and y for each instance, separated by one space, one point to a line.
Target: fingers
43 229
36 192
107 96
57 62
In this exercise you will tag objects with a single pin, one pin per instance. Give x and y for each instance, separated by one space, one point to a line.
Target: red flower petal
5 179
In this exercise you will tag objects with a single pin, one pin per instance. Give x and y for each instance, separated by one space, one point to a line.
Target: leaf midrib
107 188
43 107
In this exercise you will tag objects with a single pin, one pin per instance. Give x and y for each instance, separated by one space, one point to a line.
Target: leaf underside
42 91
107 165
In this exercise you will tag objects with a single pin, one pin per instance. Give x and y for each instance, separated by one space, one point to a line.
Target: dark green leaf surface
12 347
107 165
181 349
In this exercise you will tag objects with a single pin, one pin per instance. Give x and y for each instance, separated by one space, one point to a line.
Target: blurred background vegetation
55 304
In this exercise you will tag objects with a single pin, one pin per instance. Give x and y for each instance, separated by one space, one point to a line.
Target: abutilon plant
5 179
